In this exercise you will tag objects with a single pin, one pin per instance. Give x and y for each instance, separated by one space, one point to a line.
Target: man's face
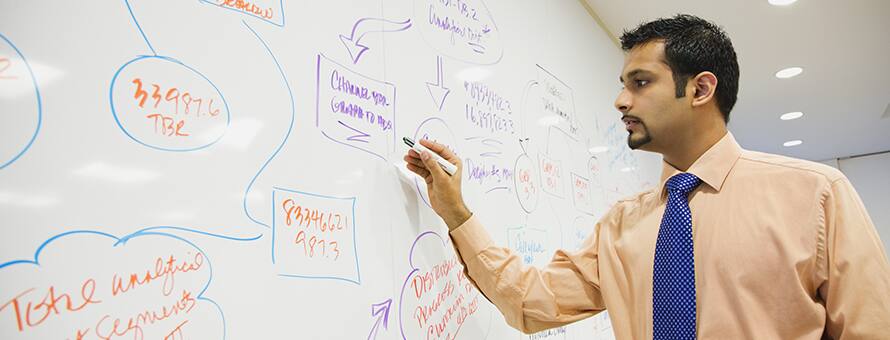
650 109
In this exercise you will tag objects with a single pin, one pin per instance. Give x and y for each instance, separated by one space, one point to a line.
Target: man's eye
641 83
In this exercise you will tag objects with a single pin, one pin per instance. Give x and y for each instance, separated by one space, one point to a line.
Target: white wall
870 176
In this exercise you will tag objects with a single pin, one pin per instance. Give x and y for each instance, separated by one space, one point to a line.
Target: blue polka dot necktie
673 279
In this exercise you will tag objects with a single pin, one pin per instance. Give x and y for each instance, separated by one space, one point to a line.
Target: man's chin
638 143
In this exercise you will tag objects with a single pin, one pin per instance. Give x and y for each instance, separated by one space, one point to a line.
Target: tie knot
682 183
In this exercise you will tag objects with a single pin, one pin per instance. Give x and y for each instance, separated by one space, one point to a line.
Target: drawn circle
434 129
20 118
466 32
148 102
525 181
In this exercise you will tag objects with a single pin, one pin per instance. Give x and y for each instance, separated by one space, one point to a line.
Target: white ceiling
843 47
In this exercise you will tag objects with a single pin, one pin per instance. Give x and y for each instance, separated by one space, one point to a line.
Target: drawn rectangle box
551 176
354 110
313 236
582 194
558 99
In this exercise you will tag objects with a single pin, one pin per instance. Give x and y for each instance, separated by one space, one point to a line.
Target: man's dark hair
692 45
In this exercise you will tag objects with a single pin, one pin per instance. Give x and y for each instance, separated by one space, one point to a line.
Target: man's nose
623 102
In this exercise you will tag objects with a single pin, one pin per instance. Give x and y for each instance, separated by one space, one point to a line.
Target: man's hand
444 190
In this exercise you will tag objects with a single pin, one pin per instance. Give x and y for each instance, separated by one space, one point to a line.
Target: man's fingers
441 150
414 160
434 168
422 172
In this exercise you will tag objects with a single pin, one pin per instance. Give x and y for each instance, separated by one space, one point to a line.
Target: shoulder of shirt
793 165
633 202
631 205
638 197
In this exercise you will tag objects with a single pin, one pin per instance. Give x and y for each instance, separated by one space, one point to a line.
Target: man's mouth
630 122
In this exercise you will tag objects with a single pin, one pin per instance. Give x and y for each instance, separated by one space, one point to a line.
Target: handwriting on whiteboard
354 110
529 243
164 104
145 285
552 176
313 236
553 333
487 110
582 194
176 103
271 11
461 29
437 298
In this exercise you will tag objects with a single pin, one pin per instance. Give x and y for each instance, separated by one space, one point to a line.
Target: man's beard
639 142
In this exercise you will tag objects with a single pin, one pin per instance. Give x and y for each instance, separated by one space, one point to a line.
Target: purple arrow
367 25
438 91
381 311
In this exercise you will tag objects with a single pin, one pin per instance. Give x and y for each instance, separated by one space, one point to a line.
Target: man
733 244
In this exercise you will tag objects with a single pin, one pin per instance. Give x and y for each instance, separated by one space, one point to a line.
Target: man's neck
686 151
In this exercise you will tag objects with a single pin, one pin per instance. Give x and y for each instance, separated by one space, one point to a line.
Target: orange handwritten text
582 189
424 281
457 313
176 332
320 230
164 270
443 299
552 175
170 107
525 183
247 7
166 124
30 312
423 312
109 327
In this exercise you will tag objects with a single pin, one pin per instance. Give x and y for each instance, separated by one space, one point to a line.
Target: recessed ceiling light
781 2
791 115
795 142
789 72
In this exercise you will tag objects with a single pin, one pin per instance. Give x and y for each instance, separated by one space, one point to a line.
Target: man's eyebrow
633 73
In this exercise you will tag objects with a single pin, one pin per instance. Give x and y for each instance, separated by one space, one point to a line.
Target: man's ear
704 86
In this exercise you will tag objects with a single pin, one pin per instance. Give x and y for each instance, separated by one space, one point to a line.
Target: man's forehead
648 57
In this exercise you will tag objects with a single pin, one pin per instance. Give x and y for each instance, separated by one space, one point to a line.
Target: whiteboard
868 174
230 169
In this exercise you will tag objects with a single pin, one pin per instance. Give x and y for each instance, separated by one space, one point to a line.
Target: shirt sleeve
532 299
857 286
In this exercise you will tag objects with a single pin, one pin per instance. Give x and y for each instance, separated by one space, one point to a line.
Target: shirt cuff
470 238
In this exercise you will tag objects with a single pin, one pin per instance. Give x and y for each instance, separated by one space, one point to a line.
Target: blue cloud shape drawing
54 261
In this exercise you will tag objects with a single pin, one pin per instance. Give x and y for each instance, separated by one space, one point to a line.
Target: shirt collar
712 167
